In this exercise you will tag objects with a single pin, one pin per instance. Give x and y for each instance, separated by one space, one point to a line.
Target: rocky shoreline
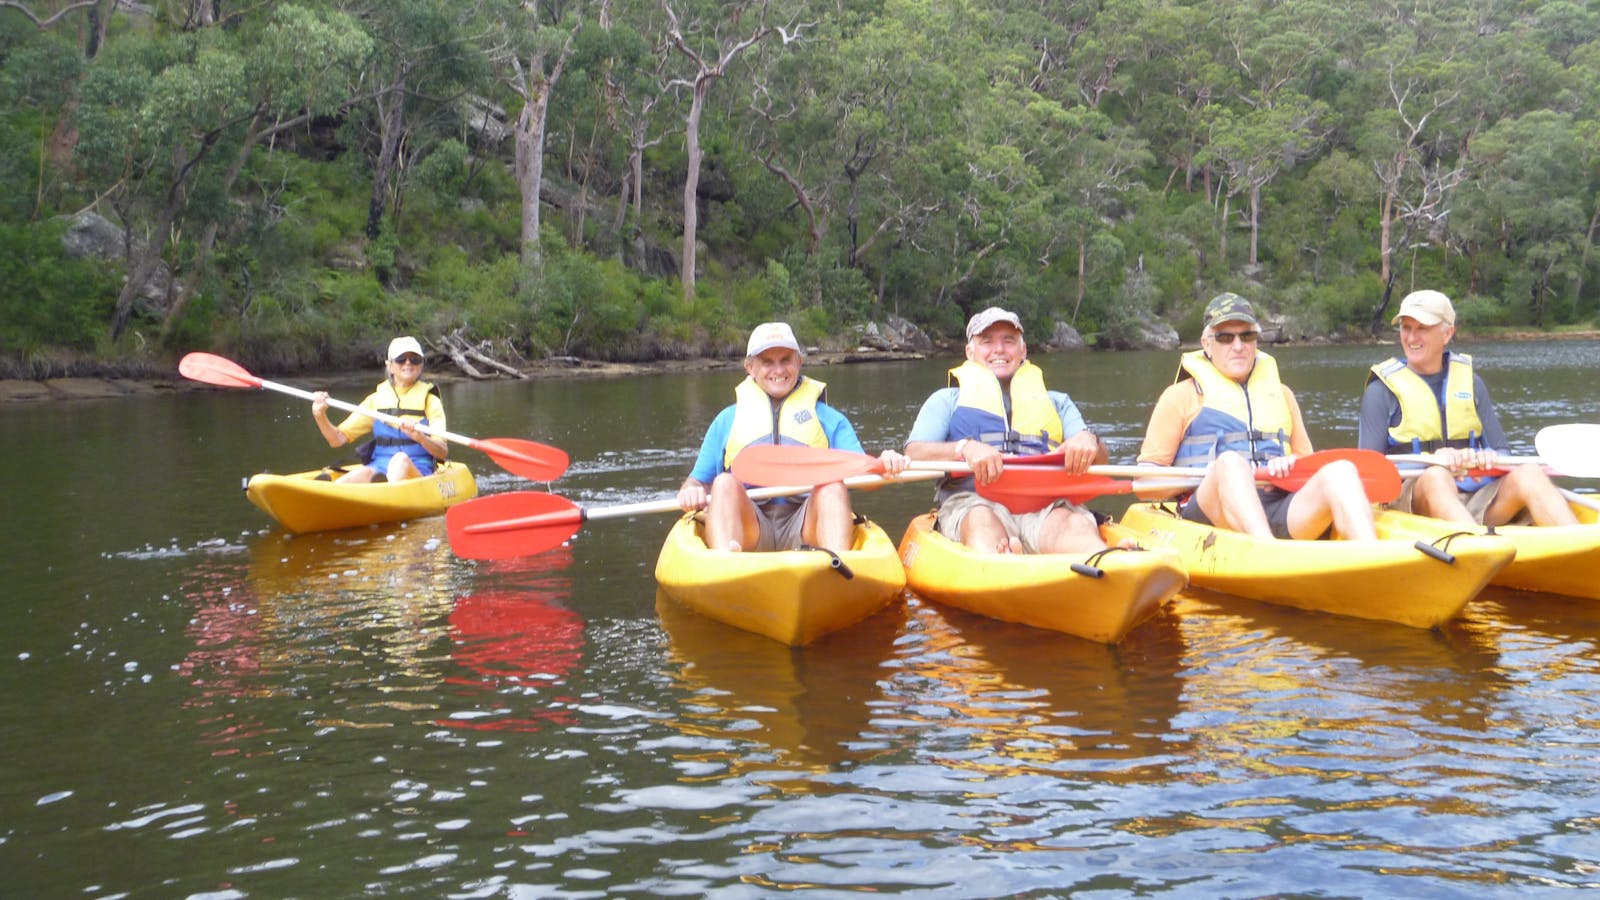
85 388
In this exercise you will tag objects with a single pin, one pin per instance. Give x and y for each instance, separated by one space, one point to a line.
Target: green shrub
46 298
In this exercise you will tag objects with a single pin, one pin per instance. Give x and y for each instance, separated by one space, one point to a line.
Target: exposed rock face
1065 337
92 236
893 333
1146 336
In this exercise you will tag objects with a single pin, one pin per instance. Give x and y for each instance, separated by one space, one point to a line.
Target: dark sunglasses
410 359
1226 337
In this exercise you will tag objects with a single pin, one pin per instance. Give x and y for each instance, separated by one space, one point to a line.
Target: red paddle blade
1378 473
529 459
769 465
213 369
1025 490
520 523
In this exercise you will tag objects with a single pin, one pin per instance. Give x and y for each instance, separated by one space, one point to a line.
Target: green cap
1229 308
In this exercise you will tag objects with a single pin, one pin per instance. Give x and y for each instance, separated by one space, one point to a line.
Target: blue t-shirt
708 465
933 426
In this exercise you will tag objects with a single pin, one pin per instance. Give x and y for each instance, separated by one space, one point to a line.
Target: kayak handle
837 564
1439 553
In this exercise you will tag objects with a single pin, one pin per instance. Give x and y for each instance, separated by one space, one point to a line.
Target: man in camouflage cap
1228 413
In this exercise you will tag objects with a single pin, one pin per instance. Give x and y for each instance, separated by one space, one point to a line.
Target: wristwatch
961 445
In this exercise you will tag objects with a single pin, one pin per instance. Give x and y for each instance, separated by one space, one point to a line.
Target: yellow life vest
1034 425
1252 418
794 422
1424 417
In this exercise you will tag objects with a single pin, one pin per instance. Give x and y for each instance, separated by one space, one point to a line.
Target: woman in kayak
1228 413
395 453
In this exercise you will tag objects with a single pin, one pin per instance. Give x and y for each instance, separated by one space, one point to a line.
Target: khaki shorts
781 525
1023 527
1477 502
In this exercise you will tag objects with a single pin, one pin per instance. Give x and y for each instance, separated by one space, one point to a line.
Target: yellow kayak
311 501
1100 597
1563 559
1413 583
792 596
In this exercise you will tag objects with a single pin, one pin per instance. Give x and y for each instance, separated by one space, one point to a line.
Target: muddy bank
58 389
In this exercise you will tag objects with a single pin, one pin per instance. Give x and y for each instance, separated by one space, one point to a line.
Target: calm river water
196 705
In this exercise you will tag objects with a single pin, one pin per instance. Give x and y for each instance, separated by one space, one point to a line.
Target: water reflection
355 616
515 646
1006 699
757 704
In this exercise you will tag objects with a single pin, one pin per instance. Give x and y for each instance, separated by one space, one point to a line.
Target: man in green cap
1228 413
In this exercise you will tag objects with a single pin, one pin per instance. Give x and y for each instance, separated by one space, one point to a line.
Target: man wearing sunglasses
395 453
1432 401
1228 413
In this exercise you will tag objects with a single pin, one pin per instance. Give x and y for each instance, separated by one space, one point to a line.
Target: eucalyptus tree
539 37
1529 203
710 39
154 112
426 55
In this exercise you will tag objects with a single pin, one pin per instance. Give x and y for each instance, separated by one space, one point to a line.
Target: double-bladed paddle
539 462
522 523
1022 485
1572 450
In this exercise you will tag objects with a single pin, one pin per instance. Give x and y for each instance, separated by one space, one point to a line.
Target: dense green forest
293 182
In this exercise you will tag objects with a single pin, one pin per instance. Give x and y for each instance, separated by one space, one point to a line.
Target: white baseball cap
1427 307
771 334
404 345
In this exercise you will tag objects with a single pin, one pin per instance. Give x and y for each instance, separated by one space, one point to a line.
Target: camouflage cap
1229 308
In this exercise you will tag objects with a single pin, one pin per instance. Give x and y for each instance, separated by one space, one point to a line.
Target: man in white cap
395 453
998 406
774 404
1227 413
1433 401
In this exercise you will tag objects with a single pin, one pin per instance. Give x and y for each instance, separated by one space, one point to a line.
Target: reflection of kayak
303 502
1029 702
1562 559
1393 580
793 596
811 706
1100 597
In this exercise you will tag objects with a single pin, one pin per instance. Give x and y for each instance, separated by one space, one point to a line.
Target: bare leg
1069 531
1528 487
358 475
401 467
982 531
1333 496
1435 494
1227 495
829 522
730 516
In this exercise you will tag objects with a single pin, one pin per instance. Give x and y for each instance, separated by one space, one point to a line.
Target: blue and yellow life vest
1034 425
1428 421
1252 418
387 440
794 422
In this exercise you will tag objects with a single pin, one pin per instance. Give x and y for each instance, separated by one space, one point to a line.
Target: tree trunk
530 161
391 121
691 182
